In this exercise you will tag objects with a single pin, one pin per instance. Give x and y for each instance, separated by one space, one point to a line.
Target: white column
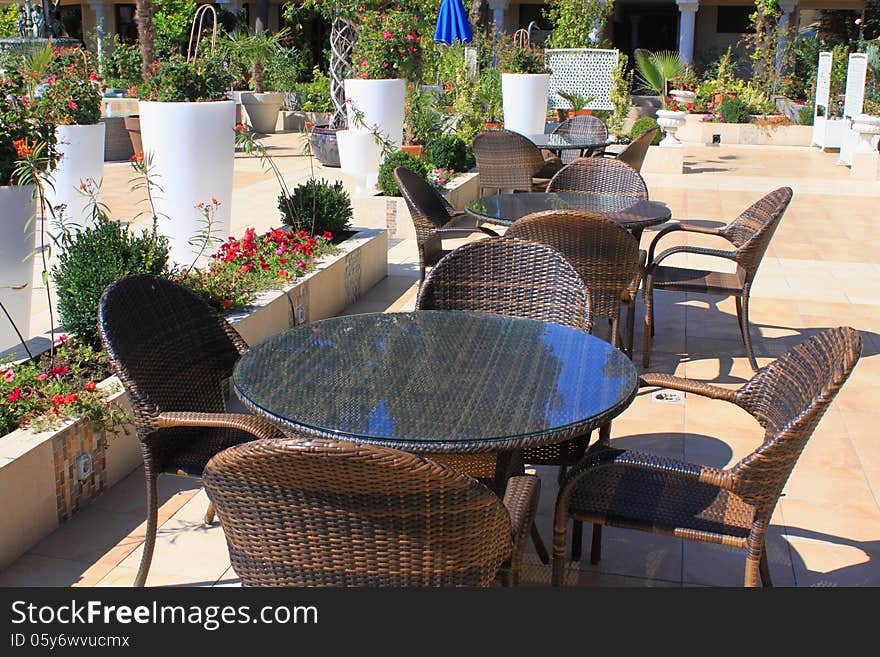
788 8
687 25
100 9
498 8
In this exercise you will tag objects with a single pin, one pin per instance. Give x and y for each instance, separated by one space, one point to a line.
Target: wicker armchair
432 218
173 354
582 126
599 175
750 234
606 256
730 507
634 154
313 512
507 160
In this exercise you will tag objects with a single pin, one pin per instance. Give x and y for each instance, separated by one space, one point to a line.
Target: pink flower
42 377
384 64
411 37
365 63
14 395
858 21
387 35
9 375
61 338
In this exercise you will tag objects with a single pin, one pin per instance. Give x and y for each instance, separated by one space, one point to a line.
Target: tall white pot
192 146
17 208
525 101
81 158
382 103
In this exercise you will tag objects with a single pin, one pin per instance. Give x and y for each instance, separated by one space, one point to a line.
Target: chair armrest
685 227
687 385
698 250
521 502
252 424
456 233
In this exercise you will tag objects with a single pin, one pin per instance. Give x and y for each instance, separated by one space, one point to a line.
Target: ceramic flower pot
192 146
81 159
325 146
414 149
683 96
262 109
525 101
17 209
382 103
670 121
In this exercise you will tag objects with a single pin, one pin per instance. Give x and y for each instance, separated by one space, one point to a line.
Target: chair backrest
752 231
508 277
425 204
634 154
581 126
599 175
171 350
788 398
312 512
506 160
605 254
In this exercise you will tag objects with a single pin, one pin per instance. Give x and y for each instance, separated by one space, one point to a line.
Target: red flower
91 387
226 303
69 399
58 371
21 147
327 235
138 157
282 272
14 395
71 104
302 233
93 76
42 377
57 399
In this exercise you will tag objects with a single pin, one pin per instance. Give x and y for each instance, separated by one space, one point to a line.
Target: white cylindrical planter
671 121
81 158
382 103
192 146
525 101
359 152
17 209
262 109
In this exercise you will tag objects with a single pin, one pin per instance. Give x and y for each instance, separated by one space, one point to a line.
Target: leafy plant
281 72
69 91
656 69
735 110
619 95
577 102
177 80
387 185
423 117
515 57
317 206
575 22
489 98
93 257
22 127
122 65
315 95
9 21
388 46
642 125
172 20
449 152
255 49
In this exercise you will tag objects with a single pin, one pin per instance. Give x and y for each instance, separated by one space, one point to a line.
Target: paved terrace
820 271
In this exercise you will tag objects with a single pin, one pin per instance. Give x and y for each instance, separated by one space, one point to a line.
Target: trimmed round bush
317 206
642 125
735 110
449 152
387 184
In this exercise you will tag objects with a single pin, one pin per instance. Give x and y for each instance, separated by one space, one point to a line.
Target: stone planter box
38 474
701 132
296 121
391 212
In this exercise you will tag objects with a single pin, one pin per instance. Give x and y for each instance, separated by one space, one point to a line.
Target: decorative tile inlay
70 493
391 216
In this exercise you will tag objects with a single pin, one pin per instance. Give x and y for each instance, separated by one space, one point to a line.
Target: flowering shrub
517 58
675 106
177 80
40 394
21 126
439 178
243 267
70 93
389 46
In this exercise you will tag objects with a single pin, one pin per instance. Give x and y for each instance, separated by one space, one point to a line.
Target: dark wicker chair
582 126
634 154
507 160
432 218
729 507
313 512
606 256
599 175
750 234
173 354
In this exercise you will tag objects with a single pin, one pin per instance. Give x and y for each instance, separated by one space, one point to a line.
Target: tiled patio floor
820 271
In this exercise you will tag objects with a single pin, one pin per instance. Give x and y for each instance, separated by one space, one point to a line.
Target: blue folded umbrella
452 24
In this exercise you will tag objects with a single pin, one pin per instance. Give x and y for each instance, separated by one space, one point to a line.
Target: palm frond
649 73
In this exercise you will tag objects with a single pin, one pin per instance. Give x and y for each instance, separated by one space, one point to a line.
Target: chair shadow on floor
864 573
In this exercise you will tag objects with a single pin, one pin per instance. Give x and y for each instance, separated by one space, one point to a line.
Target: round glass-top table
631 213
566 142
437 382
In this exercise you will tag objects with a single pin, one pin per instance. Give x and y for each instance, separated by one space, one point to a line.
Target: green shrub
92 258
805 115
122 66
387 184
178 80
735 110
642 125
317 206
449 152
314 96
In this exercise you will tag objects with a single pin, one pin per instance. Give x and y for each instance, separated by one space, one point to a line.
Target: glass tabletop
505 209
554 141
437 381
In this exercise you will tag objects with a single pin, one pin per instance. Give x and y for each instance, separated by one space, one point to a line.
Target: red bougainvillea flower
14 395
91 387
9 375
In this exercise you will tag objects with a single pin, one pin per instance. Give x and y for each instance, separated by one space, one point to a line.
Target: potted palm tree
255 48
655 71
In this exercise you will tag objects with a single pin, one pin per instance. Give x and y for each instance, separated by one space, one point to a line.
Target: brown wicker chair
599 175
507 160
432 218
729 507
750 234
634 154
606 256
173 354
313 512
582 126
